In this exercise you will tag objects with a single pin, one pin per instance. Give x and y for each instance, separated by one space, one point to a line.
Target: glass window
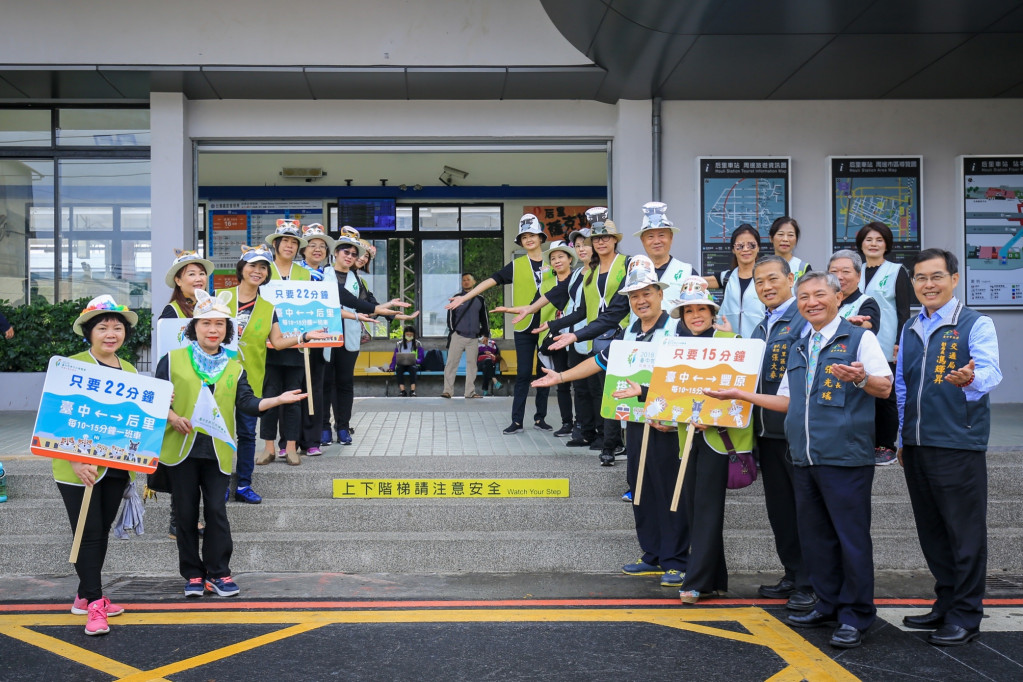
481 218
438 218
376 281
25 127
404 219
483 256
105 230
103 127
441 278
26 230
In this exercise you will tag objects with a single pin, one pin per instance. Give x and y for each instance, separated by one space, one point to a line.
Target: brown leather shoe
294 459
267 457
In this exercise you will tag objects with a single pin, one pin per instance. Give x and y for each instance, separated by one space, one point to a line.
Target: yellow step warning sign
449 488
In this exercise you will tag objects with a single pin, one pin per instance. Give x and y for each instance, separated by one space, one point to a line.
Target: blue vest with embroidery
784 333
952 421
833 424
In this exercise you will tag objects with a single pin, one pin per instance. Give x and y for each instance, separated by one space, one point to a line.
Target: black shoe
514 428
607 458
565 430
619 453
541 425
783 590
403 394
928 621
801 601
597 444
412 394
579 443
846 637
814 619
950 634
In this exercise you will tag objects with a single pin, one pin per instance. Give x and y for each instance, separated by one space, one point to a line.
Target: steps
300 527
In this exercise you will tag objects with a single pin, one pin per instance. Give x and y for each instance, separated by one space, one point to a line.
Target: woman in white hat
526 275
707 474
105 326
209 387
286 241
187 273
316 254
663 535
355 298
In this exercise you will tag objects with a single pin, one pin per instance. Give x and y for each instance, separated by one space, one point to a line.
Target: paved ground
472 626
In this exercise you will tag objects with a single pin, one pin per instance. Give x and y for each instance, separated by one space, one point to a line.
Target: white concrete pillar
632 169
172 187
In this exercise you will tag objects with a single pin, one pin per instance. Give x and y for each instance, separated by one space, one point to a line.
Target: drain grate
1004 585
144 589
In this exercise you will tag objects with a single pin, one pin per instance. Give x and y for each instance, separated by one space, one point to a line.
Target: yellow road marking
70 651
804 660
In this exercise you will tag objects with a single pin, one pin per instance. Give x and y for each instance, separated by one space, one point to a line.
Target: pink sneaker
97 623
80 607
314 451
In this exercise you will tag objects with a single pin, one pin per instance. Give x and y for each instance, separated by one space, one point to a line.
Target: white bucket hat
209 308
530 224
654 218
316 231
345 240
182 259
286 228
694 292
102 305
641 274
254 254
563 247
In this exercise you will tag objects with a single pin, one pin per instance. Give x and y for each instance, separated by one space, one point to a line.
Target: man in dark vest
780 328
834 372
947 365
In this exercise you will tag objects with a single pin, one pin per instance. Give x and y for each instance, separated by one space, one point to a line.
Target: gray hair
814 275
767 260
851 255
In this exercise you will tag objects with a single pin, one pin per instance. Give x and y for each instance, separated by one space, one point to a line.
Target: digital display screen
367 214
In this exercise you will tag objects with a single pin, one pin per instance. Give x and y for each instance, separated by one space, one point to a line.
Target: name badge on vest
206 418
779 361
948 355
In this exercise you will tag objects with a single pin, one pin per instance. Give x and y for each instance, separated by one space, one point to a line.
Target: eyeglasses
349 252
746 247
936 278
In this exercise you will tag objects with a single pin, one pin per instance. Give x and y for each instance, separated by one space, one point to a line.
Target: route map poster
876 189
993 212
734 191
234 223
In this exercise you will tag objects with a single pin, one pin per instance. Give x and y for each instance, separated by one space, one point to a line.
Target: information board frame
998 166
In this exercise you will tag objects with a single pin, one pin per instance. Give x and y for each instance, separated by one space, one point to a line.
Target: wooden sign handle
690 431
80 528
308 379
642 465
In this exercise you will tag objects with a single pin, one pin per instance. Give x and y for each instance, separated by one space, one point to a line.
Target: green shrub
43 329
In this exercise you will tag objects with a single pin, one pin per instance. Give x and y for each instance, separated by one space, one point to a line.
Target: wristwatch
861 384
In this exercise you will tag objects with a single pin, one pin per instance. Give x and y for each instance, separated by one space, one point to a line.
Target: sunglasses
349 252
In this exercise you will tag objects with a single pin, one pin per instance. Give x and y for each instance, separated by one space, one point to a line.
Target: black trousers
704 492
833 505
487 370
328 392
194 478
886 418
587 405
663 534
403 371
342 370
278 379
312 431
106 499
948 491
525 370
780 500
560 360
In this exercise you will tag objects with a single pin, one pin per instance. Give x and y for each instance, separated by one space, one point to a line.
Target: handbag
742 467
603 342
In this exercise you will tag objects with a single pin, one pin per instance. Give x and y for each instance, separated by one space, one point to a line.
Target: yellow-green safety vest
187 384
524 289
297 274
615 275
252 342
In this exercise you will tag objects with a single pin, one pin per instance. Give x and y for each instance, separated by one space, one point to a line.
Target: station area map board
734 191
993 216
876 189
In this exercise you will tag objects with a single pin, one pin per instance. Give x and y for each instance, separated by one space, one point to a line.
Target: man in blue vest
781 328
947 365
833 374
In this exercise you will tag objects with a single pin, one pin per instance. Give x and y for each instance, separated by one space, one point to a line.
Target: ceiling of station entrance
485 169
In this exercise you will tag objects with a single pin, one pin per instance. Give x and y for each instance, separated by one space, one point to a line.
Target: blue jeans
525 356
246 428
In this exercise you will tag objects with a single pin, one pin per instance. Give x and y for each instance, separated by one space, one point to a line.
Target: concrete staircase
300 527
